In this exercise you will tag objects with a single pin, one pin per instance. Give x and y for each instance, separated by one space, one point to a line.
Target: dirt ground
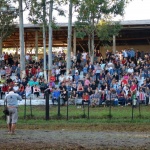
74 140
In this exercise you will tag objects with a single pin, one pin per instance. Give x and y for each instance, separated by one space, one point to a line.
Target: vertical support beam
36 44
69 41
21 35
74 42
50 40
114 44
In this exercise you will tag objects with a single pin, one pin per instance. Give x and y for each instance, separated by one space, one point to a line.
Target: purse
6 111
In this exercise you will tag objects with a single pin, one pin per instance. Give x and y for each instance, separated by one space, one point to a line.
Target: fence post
67 109
25 107
110 107
31 107
88 108
58 107
132 109
139 109
47 105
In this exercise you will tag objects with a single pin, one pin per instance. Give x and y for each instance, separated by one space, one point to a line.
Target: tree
7 23
69 37
91 12
46 20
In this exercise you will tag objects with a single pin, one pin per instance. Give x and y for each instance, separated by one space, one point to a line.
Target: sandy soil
79 140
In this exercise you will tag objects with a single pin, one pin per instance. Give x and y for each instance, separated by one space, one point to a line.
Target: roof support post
21 35
74 42
36 44
114 44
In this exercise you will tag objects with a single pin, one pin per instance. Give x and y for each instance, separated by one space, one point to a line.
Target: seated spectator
76 77
129 98
102 97
64 95
110 97
93 86
147 95
9 80
55 95
80 90
4 89
141 96
74 87
3 71
21 90
28 90
52 78
121 98
13 68
57 73
73 97
95 98
85 98
17 80
16 88
36 90
86 83
31 82
130 70
8 70
43 86
85 68
24 82
89 91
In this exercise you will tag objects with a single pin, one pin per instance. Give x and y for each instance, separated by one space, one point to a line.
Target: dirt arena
74 140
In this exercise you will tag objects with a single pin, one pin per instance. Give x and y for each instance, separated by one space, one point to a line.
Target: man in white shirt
84 56
130 70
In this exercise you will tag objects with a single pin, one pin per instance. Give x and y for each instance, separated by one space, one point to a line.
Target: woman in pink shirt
87 82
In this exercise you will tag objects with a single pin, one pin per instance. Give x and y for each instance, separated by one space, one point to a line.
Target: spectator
36 90
28 90
55 95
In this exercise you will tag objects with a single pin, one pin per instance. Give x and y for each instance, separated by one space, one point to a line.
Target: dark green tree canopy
8 14
91 12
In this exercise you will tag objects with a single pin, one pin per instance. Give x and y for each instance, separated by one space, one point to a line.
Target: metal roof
124 22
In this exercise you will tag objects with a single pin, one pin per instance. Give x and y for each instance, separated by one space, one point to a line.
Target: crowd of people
119 78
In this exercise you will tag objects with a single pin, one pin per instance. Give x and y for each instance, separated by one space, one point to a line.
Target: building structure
134 34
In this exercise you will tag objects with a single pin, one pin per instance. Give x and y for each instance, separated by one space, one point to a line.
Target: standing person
12 104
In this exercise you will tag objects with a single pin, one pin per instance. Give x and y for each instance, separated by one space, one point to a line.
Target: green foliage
7 24
90 12
39 11
106 30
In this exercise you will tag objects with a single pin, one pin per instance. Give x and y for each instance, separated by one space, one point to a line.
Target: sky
138 10
135 10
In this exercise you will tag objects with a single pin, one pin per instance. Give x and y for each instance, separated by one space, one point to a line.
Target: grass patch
99 118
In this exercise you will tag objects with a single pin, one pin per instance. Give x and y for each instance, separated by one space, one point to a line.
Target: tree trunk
1 42
44 40
92 48
21 35
89 44
69 37
50 40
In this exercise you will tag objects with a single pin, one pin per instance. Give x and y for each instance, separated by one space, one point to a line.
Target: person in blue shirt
11 100
55 95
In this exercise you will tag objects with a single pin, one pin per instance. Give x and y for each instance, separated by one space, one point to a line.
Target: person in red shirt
33 70
4 89
124 61
52 78
21 90
85 98
133 88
